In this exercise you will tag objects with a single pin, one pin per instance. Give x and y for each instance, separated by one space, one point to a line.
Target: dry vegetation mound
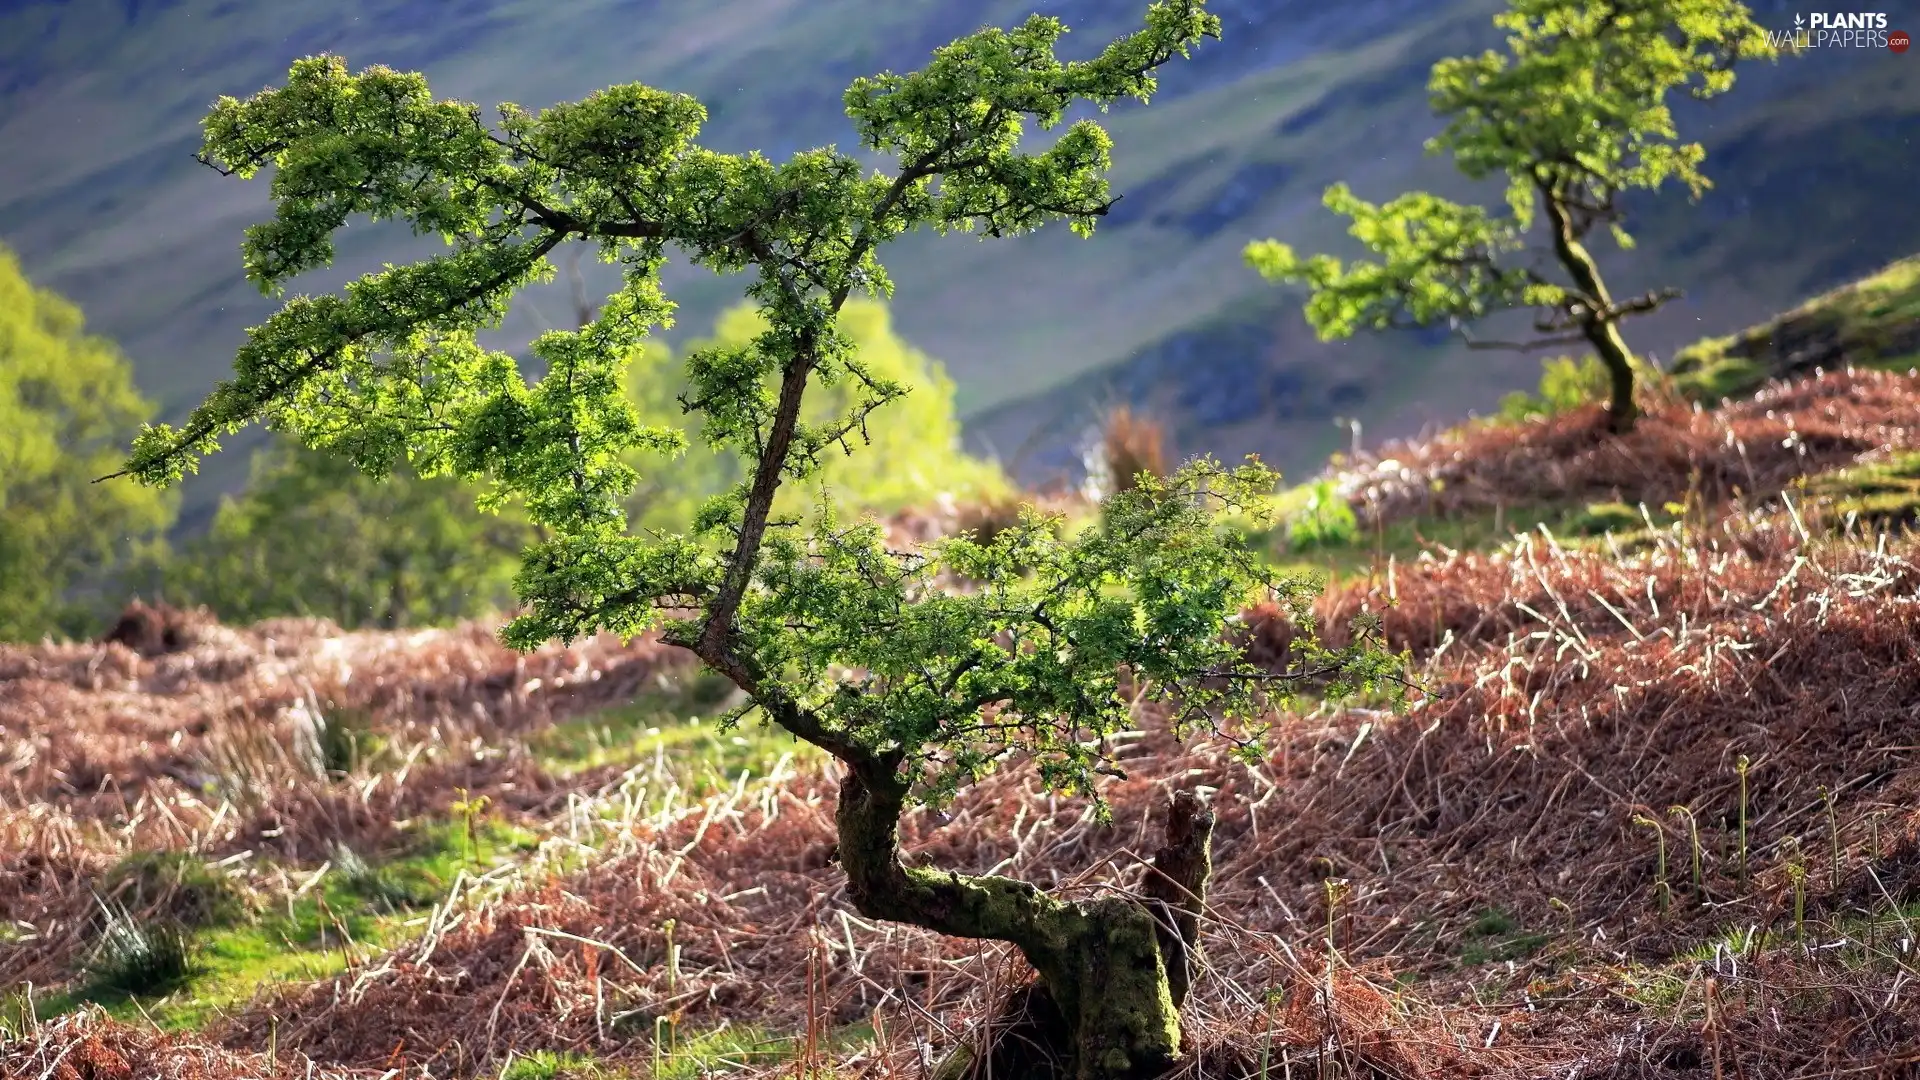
1752 449
221 741
1500 881
1484 868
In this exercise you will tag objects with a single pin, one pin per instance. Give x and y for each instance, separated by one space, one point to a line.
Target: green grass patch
1880 495
1859 941
184 977
1495 937
547 1065
1366 549
1870 321
677 725
133 955
739 1048
725 1050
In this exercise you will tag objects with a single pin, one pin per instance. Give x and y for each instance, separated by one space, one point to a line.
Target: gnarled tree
918 688
1574 113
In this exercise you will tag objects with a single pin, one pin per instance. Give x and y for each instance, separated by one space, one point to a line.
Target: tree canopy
1573 114
909 453
915 685
68 405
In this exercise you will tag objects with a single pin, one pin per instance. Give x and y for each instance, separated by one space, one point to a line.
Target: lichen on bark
1112 970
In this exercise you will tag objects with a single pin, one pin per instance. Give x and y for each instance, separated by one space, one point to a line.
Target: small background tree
916 689
68 405
314 535
1574 114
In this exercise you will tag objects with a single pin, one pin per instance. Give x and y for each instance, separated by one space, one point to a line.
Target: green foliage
1147 590
547 1065
869 654
1572 114
314 535
1565 385
908 452
67 407
1324 521
389 372
1437 263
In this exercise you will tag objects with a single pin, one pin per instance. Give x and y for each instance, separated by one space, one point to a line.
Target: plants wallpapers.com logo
1841 30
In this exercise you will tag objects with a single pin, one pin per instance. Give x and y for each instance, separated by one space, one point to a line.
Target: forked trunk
1600 324
1113 970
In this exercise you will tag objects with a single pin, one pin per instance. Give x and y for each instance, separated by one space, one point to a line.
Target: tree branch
202 429
1472 342
1648 301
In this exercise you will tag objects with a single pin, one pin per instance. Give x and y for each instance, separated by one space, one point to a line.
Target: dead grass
1132 444
1495 909
217 744
1751 449
1573 691
89 1046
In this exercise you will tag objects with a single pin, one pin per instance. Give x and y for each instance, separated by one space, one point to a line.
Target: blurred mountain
100 102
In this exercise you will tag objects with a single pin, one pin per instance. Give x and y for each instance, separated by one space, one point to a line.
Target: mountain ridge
99 193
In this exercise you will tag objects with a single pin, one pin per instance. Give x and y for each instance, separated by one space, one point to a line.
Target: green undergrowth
1885 942
718 1052
1881 495
674 725
182 942
547 1065
733 1049
1364 550
1495 937
1869 322
184 973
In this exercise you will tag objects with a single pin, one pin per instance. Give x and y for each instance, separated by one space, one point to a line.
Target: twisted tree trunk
1113 970
1599 325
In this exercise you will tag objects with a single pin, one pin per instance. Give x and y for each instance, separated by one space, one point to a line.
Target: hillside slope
100 101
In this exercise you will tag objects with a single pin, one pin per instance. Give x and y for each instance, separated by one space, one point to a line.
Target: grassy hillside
1873 322
100 102
1649 813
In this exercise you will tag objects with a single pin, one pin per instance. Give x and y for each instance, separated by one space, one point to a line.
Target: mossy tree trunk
1113 970
1594 313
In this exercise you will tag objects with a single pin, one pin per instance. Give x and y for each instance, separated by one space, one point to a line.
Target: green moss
1867 321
